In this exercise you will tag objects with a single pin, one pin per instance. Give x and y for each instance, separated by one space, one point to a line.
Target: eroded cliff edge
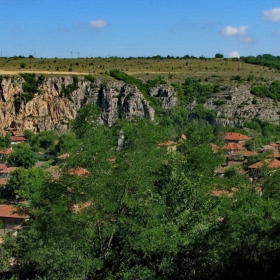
50 109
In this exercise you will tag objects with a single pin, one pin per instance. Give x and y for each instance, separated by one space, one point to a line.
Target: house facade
10 218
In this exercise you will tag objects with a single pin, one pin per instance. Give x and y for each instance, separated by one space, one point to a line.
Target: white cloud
232 31
272 15
99 23
233 54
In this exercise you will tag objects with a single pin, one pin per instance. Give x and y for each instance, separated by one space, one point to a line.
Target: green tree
219 55
22 156
26 183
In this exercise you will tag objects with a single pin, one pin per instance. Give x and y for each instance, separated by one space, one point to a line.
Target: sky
139 28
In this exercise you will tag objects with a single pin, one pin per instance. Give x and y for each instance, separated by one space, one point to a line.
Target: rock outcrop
49 109
235 105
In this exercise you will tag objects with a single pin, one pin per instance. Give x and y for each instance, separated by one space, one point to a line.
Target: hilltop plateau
50 97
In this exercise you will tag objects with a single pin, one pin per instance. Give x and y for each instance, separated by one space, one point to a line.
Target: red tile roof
232 147
274 145
9 211
250 153
8 170
269 162
274 154
6 152
18 139
234 136
79 171
2 166
17 133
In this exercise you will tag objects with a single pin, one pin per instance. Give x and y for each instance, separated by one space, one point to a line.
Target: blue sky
84 28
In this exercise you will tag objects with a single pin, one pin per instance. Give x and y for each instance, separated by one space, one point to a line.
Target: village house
233 149
254 169
5 153
10 218
5 173
18 139
236 137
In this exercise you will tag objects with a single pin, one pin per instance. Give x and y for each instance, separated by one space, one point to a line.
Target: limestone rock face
236 104
166 95
50 110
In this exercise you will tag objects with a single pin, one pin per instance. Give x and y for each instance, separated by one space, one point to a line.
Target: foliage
22 65
86 120
145 212
66 91
90 78
25 183
22 156
264 60
5 141
192 90
30 84
144 88
272 91
219 55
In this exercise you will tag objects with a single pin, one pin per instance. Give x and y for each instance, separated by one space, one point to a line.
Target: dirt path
12 72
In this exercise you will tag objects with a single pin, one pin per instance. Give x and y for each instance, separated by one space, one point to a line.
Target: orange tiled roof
234 136
232 147
8 170
269 162
6 152
274 145
18 139
274 154
9 211
2 166
17 133
79 171
250 153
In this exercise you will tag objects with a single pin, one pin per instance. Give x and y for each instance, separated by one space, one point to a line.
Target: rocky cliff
50 109
235 105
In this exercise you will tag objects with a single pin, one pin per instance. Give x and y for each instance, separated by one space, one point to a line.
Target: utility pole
71 54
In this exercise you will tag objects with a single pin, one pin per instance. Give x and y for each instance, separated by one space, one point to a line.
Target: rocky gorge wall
49 110
236 105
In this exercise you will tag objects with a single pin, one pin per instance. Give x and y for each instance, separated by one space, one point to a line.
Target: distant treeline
267 60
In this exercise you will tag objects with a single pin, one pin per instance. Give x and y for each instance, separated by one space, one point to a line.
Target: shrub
22 65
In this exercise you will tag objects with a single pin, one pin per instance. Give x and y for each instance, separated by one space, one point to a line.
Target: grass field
171 69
